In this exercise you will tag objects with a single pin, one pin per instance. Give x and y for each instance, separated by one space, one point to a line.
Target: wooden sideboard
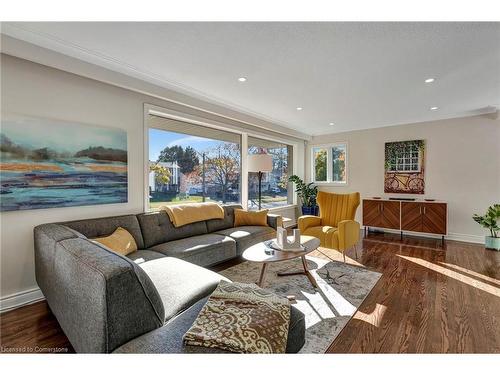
413 216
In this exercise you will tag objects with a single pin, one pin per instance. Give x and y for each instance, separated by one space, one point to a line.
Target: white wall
462 165
39 91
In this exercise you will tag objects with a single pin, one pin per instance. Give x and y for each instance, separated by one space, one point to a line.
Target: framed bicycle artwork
404 167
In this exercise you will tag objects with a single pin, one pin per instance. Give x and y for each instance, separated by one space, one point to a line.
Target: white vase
492 243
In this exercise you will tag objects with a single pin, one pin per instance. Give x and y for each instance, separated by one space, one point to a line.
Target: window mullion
244 170
329 164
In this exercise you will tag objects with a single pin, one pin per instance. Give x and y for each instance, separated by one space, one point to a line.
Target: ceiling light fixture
331 124
242 79
434 108
299 108
429 80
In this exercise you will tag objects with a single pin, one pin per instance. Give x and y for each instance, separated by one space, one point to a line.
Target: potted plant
307 194
490 221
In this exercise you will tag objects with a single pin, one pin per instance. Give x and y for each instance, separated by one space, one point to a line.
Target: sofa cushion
104 226
157 228
179 283
203 250
141 256
247 236
168 339
228 221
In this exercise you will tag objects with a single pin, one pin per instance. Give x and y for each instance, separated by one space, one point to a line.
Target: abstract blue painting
47 163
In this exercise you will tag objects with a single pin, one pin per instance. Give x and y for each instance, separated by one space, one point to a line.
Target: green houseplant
307 194
490 222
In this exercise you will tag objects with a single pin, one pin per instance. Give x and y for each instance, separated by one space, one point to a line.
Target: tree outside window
338 161
320 161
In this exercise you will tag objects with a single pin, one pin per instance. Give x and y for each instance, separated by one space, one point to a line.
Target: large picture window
329 163
192 163
276 190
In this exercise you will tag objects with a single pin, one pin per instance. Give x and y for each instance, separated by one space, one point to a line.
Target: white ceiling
356 75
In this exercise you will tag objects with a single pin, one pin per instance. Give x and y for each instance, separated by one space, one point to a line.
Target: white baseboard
472 238
465 238
13 301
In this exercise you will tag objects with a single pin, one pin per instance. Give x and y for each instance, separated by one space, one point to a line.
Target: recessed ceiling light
299 108
242 79
430 80
331 124
434 108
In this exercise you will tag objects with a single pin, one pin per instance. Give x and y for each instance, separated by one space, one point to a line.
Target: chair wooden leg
343 253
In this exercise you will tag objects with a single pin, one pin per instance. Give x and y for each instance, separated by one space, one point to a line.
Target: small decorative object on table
283 243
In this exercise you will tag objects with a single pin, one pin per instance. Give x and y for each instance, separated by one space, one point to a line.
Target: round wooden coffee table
261 253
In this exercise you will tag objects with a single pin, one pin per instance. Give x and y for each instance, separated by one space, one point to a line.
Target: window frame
329 164
150 109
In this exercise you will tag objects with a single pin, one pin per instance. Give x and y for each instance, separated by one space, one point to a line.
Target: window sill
282 207
329 183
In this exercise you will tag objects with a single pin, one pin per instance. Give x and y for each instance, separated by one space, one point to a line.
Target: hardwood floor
32 329
430 299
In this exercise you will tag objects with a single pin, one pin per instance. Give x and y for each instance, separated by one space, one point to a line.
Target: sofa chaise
143 302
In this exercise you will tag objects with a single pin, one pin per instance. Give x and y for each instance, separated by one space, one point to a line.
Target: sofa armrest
274 221
348 232
307 221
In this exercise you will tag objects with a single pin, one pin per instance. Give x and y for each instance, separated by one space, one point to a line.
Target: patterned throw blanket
242 318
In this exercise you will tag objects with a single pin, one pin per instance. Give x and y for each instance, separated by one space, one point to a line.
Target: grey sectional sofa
145 302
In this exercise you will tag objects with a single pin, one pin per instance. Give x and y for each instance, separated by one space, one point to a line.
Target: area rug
342 289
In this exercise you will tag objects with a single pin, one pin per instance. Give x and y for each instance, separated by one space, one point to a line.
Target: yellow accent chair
335 227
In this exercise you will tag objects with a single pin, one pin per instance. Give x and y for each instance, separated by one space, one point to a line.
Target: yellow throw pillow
121 241
242 217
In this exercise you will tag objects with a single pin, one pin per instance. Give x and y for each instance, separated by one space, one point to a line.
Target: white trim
145 158
278 208
16 300
244 176
472 238
462 237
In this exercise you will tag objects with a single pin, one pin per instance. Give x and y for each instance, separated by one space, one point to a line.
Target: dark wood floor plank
430 299
434 310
